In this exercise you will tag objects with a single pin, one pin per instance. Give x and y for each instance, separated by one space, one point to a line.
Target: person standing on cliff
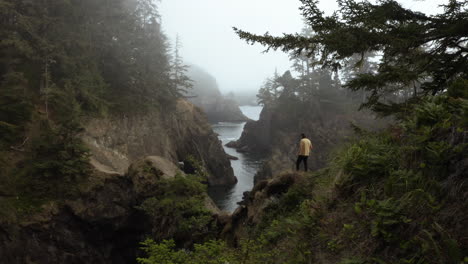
305 146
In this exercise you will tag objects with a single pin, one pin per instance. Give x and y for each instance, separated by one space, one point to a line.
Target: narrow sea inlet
244 168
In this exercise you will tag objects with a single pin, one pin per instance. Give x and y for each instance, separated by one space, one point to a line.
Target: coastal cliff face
176 135
102 223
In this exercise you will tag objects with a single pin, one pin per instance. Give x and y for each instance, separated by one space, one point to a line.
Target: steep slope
206 95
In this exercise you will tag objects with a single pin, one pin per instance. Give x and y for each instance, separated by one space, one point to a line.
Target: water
244 168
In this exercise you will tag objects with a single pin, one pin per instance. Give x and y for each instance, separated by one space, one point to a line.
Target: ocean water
244 168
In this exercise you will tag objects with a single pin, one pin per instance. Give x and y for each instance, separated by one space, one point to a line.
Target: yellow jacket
305 146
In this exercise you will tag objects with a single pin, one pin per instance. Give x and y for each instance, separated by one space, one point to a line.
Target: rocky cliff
101 224
176 134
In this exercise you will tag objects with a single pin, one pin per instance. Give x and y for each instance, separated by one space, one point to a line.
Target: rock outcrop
257 135
175 134
100 225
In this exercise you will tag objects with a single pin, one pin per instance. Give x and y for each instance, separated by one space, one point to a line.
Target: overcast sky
205 29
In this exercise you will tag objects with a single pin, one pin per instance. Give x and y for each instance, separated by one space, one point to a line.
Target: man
305 146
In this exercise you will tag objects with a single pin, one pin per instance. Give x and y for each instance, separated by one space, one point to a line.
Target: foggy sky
205 29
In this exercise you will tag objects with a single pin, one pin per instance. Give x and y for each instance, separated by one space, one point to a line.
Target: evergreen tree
418 50
179 76
270 90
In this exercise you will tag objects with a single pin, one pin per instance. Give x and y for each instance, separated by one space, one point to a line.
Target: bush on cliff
179 207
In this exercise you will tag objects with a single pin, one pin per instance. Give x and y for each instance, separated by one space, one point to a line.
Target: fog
205 29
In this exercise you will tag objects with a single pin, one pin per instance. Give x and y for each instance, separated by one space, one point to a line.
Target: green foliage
367 159
54 165
409 195
162 253
57 162
352 261
181 201
179 76
289 203
15 109
211 252
9 134
458 89
195 167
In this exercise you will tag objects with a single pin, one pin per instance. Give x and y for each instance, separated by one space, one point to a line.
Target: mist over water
244 168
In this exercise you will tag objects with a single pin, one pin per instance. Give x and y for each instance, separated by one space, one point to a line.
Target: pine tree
270 91
182 83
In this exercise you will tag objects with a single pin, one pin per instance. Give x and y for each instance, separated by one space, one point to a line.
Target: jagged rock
100 225
176 135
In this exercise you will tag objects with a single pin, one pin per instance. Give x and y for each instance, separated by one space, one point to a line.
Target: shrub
178 208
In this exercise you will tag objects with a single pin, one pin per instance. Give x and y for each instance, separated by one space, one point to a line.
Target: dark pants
299 160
